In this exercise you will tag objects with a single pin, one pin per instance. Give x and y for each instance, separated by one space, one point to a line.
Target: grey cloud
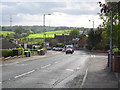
34 8
47 7
31 8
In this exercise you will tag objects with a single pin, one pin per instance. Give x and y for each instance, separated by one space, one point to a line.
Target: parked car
69 50
48 48
54 48
60 49
57 49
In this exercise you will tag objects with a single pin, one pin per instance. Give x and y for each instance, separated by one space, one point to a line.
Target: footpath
23 58
99 75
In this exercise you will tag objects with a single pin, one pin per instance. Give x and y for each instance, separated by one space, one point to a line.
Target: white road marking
46 66
93 56
70 70
56 62
0 82
24 74
78 68
84 78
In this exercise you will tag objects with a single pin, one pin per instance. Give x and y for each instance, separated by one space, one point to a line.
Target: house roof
7 44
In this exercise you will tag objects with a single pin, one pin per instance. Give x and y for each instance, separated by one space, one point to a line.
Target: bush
20 51
115 49
12 52
6 52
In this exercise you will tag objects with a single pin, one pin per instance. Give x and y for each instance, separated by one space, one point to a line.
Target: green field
49 34
5 33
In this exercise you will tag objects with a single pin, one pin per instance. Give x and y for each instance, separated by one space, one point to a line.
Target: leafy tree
113 7
74 32
53 42
94 39
19 30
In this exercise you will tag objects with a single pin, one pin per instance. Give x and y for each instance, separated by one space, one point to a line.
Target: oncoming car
69 49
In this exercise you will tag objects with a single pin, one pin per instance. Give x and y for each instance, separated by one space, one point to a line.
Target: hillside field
49 34
5 33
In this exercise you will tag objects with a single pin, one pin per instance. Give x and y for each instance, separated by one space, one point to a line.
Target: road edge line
84 78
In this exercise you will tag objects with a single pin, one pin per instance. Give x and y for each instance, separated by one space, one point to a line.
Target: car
69 50
48 48
54 48
60 49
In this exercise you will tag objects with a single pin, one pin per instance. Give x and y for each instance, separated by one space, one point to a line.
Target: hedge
11 52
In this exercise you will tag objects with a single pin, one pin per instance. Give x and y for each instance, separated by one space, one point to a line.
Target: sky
71 13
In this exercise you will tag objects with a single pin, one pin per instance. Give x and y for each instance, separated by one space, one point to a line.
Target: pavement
33 57
99 76
96 75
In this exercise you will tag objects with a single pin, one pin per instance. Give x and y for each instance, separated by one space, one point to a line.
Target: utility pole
44 20
44 25
10 20
111 28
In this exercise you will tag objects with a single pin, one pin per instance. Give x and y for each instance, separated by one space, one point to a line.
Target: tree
74 32
94 39
19 30
113 7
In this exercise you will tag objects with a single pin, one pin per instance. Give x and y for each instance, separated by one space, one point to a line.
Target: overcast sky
71 13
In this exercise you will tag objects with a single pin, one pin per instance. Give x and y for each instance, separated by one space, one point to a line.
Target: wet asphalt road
45 72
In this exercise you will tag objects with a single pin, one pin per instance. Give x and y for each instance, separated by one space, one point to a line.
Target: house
78 41
8 44
82 41
65 38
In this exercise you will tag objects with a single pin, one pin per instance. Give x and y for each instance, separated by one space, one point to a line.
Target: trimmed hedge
11 52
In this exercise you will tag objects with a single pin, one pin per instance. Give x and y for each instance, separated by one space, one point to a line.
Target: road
47 72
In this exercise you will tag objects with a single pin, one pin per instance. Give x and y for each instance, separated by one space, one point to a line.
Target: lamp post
44 25
111 29
93 23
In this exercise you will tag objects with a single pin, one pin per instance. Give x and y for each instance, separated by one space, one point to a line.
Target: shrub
6 52
12 52
20 51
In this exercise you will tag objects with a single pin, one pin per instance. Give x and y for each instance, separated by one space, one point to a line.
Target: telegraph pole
111 28
10 20
44 27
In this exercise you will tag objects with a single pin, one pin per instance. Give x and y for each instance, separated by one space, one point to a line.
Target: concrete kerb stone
9 58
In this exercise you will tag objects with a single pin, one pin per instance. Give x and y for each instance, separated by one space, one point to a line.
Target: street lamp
44 19
93 23
44 25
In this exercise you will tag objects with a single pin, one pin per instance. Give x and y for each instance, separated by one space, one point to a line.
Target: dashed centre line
70 70
56 62
24 74
46 66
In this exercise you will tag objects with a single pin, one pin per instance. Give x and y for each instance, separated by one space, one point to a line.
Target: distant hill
40 29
